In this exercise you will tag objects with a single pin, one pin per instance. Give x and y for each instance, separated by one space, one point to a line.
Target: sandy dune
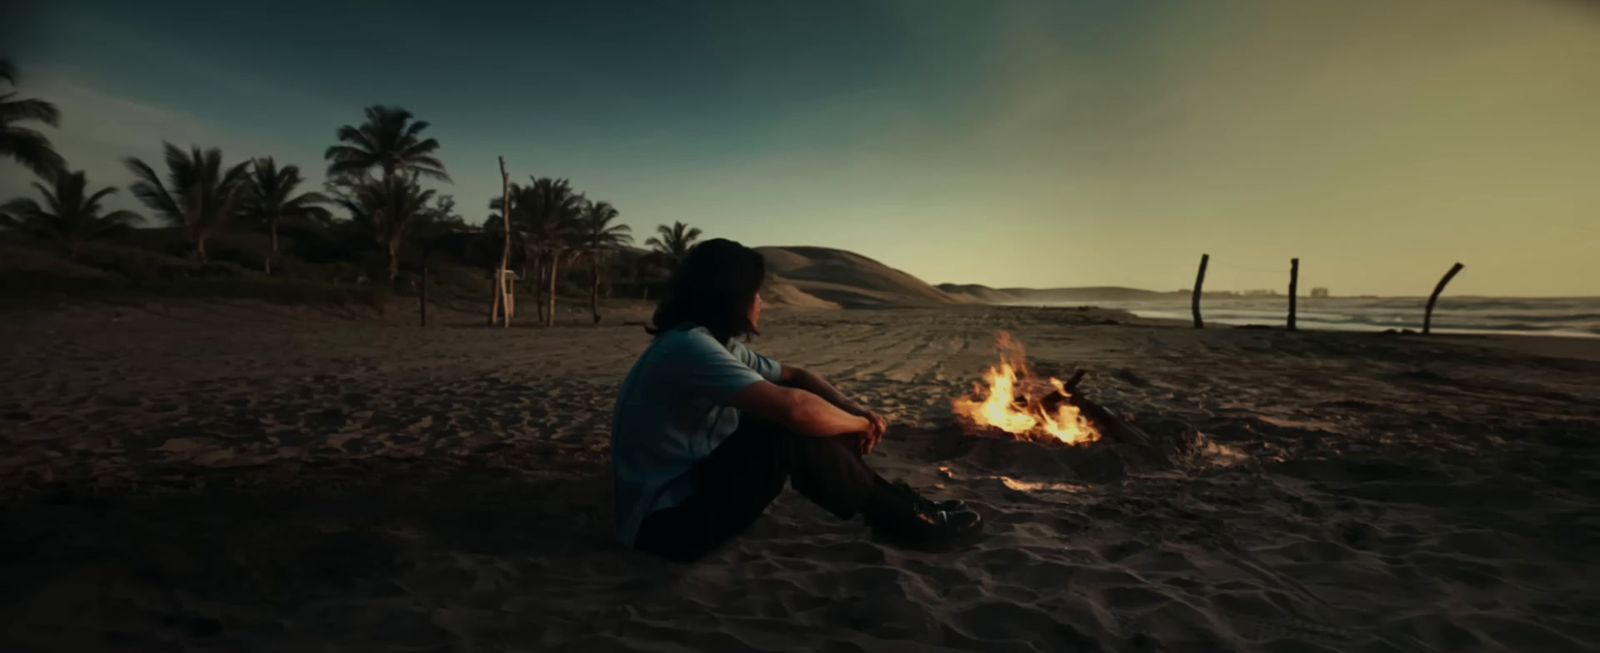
257 478
840 278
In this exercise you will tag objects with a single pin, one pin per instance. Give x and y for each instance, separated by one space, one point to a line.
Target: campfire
1014 401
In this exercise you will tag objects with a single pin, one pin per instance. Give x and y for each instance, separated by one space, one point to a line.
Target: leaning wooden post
422 295
1294 288
502 305
1199 282
1427 318
494 300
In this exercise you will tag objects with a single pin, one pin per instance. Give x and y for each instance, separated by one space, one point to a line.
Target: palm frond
94 199
19 207
123 217
40 110
149 189
389 138
416 128
47 192
31 149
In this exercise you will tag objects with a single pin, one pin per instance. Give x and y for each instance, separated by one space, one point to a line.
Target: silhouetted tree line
375 174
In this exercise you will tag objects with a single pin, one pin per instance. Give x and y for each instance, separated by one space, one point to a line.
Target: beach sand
243 477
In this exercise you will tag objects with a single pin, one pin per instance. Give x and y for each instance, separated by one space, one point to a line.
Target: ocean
1575 317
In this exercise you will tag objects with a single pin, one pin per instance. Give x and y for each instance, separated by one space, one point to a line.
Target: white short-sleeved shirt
673 411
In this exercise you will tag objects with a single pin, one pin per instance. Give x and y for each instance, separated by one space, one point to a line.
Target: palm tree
70 214
674 242
200 194
597 237
21 144
544 215
388 208
389 140
269 197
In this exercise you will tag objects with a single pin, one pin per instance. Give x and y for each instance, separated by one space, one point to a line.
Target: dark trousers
734 485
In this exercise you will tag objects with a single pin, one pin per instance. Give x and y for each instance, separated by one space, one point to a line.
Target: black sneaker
924 503
925 529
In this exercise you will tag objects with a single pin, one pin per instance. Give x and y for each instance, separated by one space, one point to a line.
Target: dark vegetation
211 225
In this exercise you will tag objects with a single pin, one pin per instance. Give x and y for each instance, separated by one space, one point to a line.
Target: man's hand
876 427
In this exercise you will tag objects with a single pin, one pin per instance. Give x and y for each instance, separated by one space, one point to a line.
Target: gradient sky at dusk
1005 143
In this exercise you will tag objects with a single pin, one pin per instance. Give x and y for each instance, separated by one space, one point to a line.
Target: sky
1028 143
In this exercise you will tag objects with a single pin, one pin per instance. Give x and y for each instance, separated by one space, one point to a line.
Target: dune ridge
818 276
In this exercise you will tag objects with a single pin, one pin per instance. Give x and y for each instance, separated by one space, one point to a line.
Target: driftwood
502 304
1199 283
1074 380
1294 288
1112 427
1427 318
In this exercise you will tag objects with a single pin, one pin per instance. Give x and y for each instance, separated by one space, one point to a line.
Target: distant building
1319 292
1260 293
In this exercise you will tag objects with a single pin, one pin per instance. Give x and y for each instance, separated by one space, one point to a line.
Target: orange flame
1014 401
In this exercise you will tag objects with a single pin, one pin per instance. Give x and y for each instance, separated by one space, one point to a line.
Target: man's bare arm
799 410
796 377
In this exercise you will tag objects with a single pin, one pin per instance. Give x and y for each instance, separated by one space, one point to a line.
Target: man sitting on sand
707 431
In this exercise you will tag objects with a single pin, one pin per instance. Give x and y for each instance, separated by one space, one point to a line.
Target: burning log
1025 408
1017 417
1015 402
1075 379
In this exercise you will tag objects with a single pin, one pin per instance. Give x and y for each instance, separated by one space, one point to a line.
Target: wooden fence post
1199 282
502 304
1427 318
1294 288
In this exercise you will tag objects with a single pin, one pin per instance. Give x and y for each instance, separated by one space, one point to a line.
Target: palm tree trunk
200 248
594 288
555 265
538 285
394 263
272 226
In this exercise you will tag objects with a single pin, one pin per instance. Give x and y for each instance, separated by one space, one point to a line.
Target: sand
247 478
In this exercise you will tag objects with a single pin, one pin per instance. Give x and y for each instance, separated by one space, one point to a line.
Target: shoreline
1307 321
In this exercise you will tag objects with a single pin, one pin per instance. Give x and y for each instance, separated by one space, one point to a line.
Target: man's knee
840 446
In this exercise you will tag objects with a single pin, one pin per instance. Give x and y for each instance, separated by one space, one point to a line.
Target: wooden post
494 300
422 294
1427 318
1199 282
502 304
555 266
511 295
1294 288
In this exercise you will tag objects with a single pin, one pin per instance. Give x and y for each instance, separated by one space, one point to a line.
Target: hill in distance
821 277
987 295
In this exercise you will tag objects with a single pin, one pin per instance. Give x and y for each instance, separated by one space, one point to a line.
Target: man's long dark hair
713 288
